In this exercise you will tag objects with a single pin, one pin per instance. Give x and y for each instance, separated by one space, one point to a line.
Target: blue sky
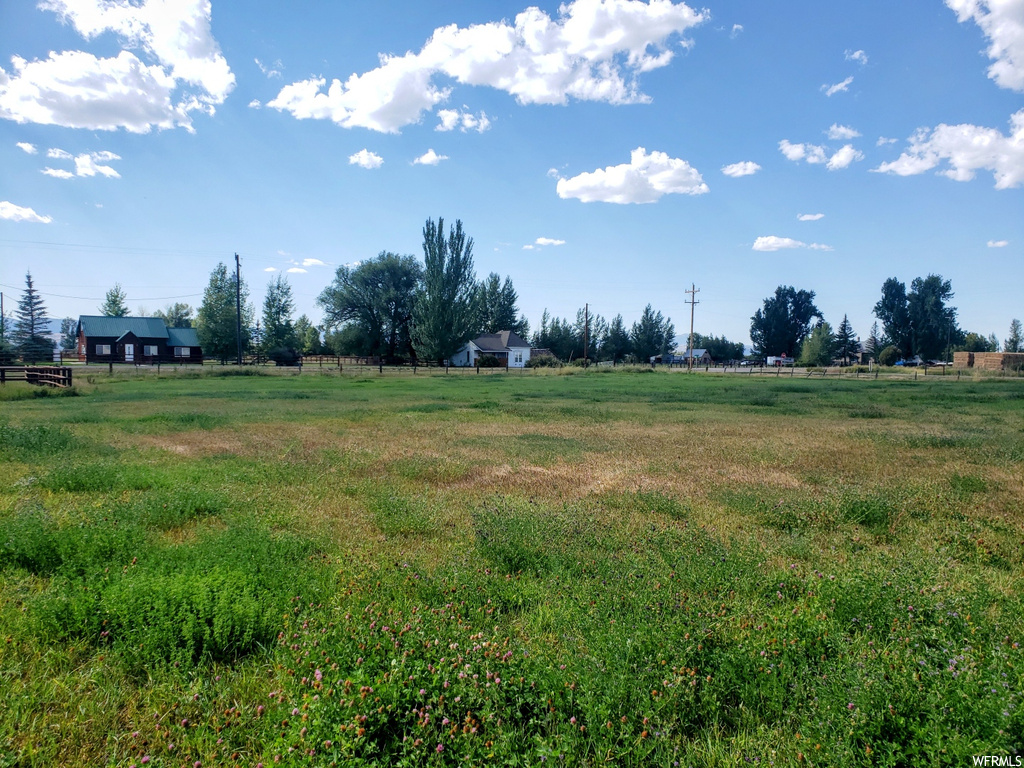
602 151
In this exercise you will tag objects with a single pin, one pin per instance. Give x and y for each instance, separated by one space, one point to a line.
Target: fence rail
49 375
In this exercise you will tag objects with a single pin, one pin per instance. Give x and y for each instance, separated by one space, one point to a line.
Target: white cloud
55 153
746 168
548 241
843 158
815 154
185 73
296 270
770 243
594 50
273 70
255 104
736 30
643 180
998 243
965 149
1002 21
553 173
838 132
11 212
810 216
430 157
86 164
529 247
24 146
313 263
831 90
883 141
450 119
58 173
270 269
859 56
364 158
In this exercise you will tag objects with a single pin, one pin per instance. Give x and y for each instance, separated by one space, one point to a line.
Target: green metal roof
143 327
182 337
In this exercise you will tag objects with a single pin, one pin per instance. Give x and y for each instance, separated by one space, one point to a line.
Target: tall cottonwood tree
278 306
784 321
217 317
445 312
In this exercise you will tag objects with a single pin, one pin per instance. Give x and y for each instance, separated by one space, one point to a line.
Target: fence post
110 367
69 376
380 367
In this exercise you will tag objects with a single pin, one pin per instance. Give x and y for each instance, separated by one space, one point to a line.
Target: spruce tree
116 303
1014 342
31 324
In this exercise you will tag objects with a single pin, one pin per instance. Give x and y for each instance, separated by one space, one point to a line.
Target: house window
182 351
519 358
102 349
150 351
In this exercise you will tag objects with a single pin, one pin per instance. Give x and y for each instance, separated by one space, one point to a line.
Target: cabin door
129 353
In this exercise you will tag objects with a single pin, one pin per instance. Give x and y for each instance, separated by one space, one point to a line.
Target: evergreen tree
278 306
308 337
652 335
720 348
1014 342
847 345
68 328
874 343
444 316
177 315
116 303
30 325
616 345
496 302
217 316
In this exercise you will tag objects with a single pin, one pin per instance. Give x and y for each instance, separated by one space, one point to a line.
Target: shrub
284 356
489 361
543 361
888 356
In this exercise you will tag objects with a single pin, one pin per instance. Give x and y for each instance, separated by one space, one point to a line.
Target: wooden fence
53 376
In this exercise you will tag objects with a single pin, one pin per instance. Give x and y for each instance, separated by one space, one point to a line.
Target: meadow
622 568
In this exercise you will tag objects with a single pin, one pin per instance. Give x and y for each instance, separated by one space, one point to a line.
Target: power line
94 298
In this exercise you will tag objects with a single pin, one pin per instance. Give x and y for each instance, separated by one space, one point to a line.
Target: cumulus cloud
838 132
770 243
858 56
27 148
255 104
1002 21
548 241
746 168
450 119
810 216
364 158
270 269
529 247
998 243
313 263
296 270
831 90
430 157
643 180
184 71
594 50
11 212
86 164
965 149
883 141
815 154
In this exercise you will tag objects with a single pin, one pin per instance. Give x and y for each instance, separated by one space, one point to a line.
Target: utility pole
586 335
3 318
238 306
692 301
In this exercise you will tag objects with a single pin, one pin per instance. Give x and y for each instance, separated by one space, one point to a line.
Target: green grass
565 568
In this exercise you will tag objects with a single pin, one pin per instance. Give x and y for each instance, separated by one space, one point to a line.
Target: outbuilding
140 340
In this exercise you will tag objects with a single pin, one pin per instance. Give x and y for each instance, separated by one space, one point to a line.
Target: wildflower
440 748
850 705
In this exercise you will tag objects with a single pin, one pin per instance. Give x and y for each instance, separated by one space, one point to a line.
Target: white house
508 346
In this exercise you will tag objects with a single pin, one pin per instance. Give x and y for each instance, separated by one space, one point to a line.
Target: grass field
602 568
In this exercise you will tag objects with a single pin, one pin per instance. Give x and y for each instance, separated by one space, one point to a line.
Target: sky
603 152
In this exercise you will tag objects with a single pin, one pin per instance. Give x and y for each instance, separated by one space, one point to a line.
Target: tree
68 328
974 342
720 348
278 306
307 336
892 310
1014 341
874 343
217 317
651 335
932 321
782 324
30 325
445 309
176 315
818 347
889 356
115 304
496 304
847 345
616 345
375 299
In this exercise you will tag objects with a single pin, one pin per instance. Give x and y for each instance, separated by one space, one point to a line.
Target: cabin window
182 351
102 349
519 357
150 351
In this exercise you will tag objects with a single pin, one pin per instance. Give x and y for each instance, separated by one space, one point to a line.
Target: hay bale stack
963 359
